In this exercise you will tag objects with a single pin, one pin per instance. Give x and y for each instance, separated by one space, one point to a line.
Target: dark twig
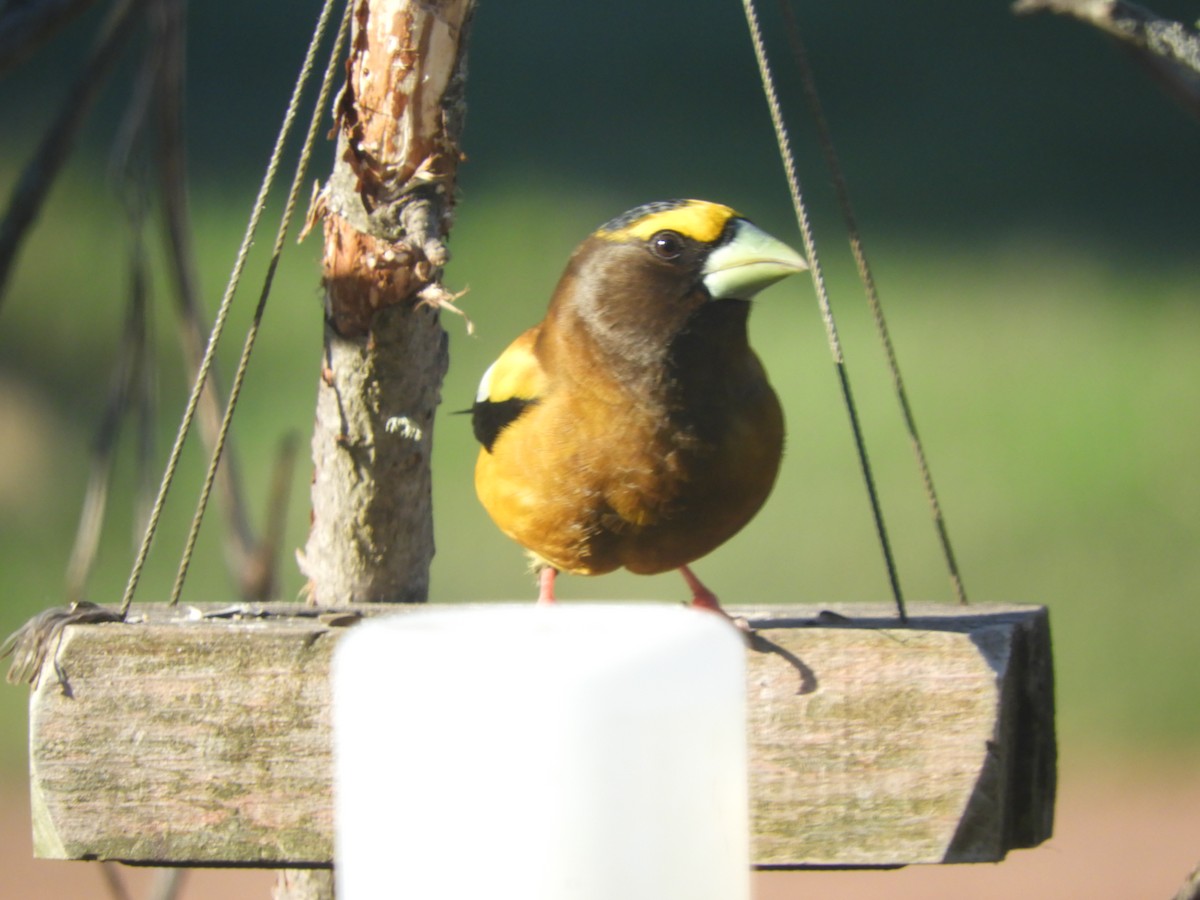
59 138
289 208
259 576
132 383
129 380
26 26
214 337
130 171
240 545
1169 50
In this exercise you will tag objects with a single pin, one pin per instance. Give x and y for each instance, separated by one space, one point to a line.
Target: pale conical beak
748 262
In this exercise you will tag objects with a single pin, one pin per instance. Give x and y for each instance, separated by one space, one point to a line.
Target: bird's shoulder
513 383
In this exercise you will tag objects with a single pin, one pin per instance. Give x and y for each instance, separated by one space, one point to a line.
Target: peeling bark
372 532
387 209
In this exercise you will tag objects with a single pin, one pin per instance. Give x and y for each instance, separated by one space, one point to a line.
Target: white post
573 752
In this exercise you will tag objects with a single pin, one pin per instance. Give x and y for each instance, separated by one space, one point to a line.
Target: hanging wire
835 344
225 305
252 333
824 137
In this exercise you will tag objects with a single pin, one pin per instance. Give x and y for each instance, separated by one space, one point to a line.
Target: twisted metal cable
868 282
835 344
239 377
223 310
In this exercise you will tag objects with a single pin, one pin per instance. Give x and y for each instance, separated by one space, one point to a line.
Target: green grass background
1057 389
1030 212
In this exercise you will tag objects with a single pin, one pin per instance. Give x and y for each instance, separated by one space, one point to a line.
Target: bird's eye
667 245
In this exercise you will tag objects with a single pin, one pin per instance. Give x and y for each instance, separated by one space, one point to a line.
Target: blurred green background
1030 203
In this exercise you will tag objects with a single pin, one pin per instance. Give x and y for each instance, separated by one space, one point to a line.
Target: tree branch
56 144
241 551
26 26
387 210
1169 50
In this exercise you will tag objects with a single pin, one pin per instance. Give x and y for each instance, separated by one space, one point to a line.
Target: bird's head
640 278
706 243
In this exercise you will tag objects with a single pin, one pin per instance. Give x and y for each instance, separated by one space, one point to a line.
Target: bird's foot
703 598
546 586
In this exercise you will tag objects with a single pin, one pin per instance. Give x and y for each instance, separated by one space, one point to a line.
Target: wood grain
181 741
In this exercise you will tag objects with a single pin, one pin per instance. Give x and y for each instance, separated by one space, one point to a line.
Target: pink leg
546 585
702 597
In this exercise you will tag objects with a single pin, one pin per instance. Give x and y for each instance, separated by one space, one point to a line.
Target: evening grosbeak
634 426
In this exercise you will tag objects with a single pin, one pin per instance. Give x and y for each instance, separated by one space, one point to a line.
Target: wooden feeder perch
201 737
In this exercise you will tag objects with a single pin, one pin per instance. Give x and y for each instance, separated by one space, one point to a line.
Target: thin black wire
252 333
223 310
835 344
868 281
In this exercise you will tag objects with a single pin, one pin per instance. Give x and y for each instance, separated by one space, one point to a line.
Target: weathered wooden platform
193 739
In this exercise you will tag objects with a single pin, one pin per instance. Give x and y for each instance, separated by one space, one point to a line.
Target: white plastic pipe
573 752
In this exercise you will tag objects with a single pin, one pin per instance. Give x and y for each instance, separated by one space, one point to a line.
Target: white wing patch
485 385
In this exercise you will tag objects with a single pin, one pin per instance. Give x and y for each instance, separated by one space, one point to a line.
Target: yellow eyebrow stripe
696 219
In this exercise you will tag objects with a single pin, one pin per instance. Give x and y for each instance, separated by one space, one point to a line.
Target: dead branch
387 209
259 575
1169 50
26 26
59 138
127 391
240 544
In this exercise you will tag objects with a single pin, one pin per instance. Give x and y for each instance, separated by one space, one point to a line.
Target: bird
634 427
